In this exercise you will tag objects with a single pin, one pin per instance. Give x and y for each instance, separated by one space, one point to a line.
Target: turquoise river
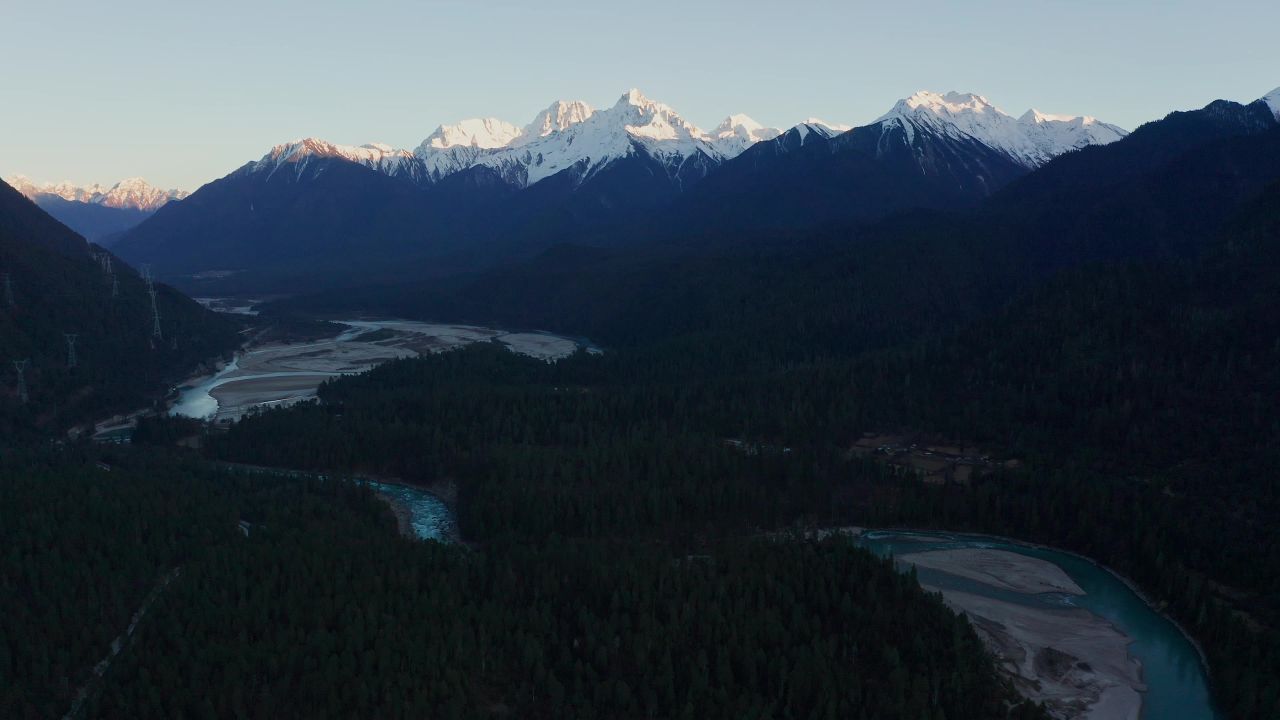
1177 686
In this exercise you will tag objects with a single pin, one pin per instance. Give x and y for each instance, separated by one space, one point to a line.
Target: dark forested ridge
57 284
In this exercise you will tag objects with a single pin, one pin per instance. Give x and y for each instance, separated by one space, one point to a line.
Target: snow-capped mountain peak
138 194
131 193
636 98
1272 99
559 116
835 128
1032 140
572 135
648 120
1035 116
948 104
315 147
739 124
485 133
298 155
738 132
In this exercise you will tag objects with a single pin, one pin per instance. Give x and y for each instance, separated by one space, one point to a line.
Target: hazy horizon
182 96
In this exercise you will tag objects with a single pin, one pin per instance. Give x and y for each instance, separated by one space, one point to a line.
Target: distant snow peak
835 128
743 125
298 155
636 98
1032 140
315 147
1272 99
131 193
738 132
485 133
559 116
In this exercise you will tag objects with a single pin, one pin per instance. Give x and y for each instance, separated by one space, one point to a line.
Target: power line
155 311
21 367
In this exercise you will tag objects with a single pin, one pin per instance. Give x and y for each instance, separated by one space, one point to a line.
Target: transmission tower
21 367
146 275
155 310
8 289
71 349
115 286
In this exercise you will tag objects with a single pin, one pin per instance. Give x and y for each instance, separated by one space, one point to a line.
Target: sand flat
998 568
1072 660
537 345
282 373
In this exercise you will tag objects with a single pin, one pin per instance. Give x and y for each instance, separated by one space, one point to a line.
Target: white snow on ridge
475 132
835 127
1272 99
132 193
559 116
1053 135
297 154
1032 140
736 133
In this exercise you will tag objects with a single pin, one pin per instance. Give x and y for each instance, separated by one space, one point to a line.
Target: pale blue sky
182 93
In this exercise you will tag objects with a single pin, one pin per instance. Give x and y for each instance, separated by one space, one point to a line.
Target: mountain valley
955 413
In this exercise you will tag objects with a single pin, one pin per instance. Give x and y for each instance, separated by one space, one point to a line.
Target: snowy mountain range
485 191
571 135
130 193
567 134
1032 139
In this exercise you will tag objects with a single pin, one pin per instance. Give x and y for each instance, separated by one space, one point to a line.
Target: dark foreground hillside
58 285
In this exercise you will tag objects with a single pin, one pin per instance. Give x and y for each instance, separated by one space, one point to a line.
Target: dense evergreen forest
296 598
